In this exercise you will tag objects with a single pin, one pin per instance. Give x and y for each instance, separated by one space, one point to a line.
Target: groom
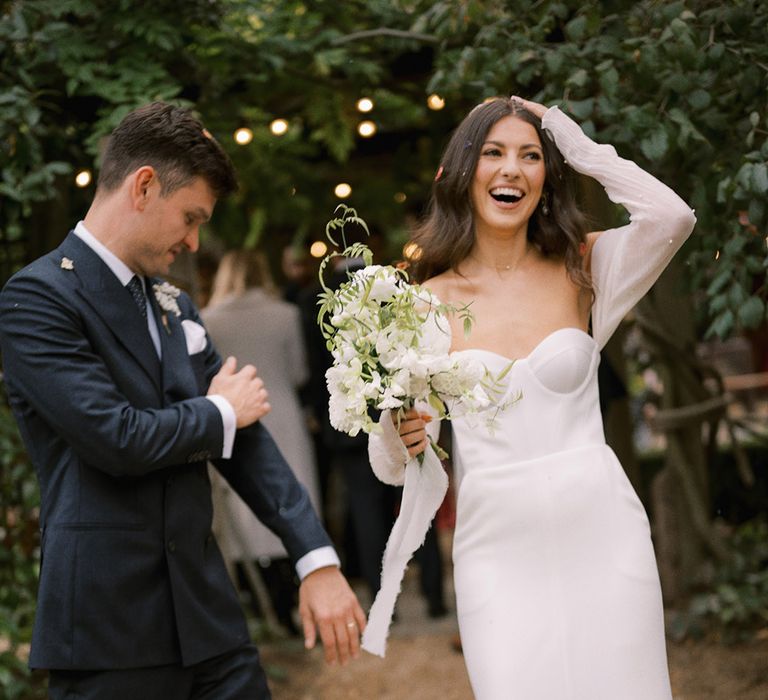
122 400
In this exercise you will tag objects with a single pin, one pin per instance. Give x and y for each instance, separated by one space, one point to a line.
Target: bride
557 591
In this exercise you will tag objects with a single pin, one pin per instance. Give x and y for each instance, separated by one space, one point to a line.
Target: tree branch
385 31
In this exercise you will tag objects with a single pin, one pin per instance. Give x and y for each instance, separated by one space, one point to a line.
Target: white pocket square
195 336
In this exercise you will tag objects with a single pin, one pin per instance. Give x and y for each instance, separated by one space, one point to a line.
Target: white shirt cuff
229 420
316 559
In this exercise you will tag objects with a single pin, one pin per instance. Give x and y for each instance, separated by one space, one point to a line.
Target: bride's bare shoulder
441 284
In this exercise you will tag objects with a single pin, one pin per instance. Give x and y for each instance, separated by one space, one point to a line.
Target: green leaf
717 304
744 176
723 189
554 61
581 109
437 404
755 266
718 283
736 295
734 246
655 146
58 167
609 81
751 312
699 99
722 325
760 178
579 78
576 28
756 210
11 192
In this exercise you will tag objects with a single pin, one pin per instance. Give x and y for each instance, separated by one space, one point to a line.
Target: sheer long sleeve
626 261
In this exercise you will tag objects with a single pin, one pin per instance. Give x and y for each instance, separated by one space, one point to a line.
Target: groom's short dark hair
174 142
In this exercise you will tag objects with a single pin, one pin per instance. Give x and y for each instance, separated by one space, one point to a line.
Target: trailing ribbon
423 492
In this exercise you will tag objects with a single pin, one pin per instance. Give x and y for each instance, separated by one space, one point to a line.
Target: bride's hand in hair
533 107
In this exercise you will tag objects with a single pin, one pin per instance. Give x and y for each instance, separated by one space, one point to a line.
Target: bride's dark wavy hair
446 235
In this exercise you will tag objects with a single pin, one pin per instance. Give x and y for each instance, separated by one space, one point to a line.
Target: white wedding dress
557 590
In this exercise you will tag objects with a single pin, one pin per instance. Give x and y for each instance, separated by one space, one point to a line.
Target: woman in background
246 319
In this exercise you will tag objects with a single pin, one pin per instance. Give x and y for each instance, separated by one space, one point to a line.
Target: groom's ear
141 182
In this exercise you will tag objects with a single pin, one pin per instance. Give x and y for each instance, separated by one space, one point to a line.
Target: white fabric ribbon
423 492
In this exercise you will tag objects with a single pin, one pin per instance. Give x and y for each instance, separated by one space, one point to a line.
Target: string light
83 178
364 104
318 249
400 197
342 190
243 136
366 129
278 127
435 102
717 255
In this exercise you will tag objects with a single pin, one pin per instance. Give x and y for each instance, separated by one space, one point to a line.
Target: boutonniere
166 295
67 264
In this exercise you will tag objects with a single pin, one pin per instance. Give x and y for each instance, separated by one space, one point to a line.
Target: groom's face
169 224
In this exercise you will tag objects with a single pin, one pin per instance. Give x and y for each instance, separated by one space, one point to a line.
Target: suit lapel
113 303
178 376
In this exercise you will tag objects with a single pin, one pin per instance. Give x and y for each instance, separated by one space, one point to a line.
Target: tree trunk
685 536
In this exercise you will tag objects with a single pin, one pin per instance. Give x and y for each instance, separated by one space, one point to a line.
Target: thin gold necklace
496 267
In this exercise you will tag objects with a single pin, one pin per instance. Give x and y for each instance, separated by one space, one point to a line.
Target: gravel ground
422 664
426 668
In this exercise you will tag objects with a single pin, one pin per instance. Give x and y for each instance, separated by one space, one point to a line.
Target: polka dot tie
137 292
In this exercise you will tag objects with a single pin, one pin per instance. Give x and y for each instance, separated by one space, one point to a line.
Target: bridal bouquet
390 342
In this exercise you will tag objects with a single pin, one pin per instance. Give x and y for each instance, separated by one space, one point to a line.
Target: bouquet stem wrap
423 491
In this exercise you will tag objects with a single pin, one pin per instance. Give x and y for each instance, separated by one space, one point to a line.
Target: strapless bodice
559 408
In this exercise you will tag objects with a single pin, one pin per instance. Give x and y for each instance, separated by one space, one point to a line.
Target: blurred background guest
298 271
246 319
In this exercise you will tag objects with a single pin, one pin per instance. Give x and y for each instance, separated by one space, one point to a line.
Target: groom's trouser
235 675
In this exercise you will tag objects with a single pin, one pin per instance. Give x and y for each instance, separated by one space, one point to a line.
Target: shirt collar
118 267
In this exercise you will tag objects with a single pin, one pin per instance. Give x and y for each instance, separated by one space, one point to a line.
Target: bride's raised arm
625 261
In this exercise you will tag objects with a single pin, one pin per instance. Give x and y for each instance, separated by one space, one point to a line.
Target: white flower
166 295
390 343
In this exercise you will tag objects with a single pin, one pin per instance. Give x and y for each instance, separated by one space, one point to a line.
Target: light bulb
435 102
366 129
364 104
243 136
342 190
83 178
278 127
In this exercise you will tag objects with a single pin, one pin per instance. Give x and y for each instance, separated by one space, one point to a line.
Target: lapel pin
67 264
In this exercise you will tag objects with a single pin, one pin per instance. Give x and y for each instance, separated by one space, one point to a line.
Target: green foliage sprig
735 604
19 562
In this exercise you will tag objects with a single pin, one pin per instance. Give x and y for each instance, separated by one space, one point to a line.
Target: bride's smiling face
509 177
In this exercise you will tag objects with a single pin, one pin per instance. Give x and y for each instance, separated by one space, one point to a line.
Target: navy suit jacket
130 573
